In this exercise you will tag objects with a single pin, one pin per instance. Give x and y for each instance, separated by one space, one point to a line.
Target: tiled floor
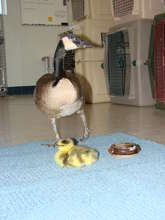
21 121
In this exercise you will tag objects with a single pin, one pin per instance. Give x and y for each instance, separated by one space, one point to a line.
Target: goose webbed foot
54 144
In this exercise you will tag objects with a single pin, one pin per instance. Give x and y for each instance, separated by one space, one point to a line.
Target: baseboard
21 90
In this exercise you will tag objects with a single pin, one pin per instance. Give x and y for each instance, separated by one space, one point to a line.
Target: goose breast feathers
51 99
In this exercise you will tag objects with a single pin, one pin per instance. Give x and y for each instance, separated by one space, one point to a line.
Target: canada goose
59 94
71 155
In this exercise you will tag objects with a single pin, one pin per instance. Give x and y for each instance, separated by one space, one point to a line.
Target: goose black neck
59 59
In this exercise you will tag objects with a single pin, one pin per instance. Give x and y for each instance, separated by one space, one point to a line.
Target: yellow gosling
70 155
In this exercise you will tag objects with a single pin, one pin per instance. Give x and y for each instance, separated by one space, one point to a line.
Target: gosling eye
65 142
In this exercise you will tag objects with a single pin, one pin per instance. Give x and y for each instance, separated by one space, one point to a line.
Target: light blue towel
33 187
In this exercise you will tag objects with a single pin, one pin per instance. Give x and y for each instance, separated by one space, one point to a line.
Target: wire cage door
118 63
122 7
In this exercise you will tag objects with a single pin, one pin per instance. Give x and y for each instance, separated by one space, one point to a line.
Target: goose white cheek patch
68 44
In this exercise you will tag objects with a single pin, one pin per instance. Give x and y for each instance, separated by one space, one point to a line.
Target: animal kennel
126 63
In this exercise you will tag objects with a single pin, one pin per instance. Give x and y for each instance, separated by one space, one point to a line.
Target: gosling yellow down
70 155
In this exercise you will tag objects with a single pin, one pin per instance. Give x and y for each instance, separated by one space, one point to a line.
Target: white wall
25 46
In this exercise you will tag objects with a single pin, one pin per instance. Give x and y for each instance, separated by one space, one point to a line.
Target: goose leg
57 135
53 122
85 127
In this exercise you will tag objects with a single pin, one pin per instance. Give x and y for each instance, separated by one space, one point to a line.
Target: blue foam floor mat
34 187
